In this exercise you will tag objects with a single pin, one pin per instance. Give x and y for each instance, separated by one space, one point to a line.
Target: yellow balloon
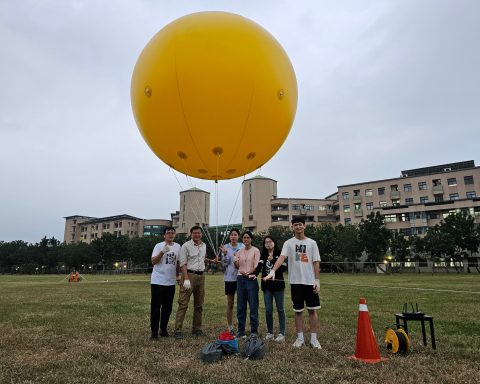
214 95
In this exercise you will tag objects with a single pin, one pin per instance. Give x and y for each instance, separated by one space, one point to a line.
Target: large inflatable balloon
214 95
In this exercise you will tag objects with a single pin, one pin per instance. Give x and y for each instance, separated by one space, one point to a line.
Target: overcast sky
383 86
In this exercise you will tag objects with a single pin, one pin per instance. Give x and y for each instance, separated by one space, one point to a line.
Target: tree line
456 237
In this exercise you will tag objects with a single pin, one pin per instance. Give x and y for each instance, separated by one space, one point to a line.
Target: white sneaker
280 338
299 343
269 336
315 344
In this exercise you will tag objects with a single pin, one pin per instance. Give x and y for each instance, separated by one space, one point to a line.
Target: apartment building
262 208
411 203
418 199
86 229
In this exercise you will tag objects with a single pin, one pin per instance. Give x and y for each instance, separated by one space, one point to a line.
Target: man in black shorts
303 275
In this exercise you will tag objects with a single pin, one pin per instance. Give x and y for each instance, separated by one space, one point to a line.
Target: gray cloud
383 86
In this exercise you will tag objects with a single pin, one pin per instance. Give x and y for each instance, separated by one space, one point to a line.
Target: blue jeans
268 297
247 292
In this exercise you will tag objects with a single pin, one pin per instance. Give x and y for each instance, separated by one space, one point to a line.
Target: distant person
247 286
228 253
164 259
273 289
303 259
192 266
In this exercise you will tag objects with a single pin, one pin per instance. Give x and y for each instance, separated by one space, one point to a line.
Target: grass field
97 331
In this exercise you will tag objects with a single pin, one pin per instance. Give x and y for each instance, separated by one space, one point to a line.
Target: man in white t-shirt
164 276
303 259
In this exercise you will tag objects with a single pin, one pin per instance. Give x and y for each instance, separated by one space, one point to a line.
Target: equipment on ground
397 341
254 348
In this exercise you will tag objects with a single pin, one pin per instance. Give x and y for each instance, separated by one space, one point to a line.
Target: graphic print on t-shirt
301 253
268 266
170 258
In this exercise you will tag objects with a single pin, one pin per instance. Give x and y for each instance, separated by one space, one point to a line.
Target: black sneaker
153 338
198 332
178 335
241 335
164 334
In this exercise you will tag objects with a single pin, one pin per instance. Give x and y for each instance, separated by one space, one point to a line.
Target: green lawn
97 331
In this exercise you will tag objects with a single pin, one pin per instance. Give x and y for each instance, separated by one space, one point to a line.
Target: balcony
358 212
279 207
394 195
357 199
437 189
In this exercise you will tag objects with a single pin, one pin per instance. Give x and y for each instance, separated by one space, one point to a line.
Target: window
422 185
358 206
433 215
309 207
296 207
347 221
369 192
383 203
454 196
409 200
345 195
346 208
390 218
369 206
438 198
436 182
468 180
396 202
381 190
423 199
356 192
471 195
394 188
452 182
407 187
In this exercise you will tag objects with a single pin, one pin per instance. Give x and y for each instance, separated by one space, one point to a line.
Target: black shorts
230 287
303 294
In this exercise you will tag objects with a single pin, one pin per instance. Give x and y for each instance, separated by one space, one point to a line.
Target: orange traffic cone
366 348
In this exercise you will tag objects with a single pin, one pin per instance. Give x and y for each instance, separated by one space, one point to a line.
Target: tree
348 245
460 229
400 246
324 235
374 236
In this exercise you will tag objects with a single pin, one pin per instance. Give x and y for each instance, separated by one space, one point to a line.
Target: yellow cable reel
397 341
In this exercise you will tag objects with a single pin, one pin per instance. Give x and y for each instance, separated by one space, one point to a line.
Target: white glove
316 286
166 249
186 284
271 275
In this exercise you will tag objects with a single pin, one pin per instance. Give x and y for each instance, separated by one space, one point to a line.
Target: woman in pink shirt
246 261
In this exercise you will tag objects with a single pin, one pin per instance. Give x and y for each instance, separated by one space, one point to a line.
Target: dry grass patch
97 332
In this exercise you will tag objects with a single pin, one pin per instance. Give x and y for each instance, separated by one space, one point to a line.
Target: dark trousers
247 293
161 306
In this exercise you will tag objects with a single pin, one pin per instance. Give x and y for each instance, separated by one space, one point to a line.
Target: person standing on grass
192 266
228 253
165 266
303 259
272 289
247 286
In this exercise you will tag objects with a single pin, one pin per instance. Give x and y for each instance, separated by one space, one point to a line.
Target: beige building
194 210
86 229
262 208
419 199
